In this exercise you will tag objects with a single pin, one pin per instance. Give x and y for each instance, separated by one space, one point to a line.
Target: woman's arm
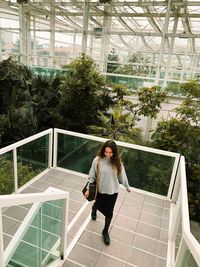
123 178
93 170
92 174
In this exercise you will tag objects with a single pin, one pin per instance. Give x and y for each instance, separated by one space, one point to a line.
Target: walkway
139 230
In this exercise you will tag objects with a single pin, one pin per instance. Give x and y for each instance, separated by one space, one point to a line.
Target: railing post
63 244
1 242
174 177
15 168
55 148
50 155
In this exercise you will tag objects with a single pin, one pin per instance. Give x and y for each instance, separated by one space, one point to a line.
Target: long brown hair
115 159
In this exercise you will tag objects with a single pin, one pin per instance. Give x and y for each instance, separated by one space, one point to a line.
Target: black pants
105 204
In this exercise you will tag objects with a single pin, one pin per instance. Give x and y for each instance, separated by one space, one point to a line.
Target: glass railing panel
76 153
145 170
32 158
178 239
40 244
7 183
148 171
133 83
188 260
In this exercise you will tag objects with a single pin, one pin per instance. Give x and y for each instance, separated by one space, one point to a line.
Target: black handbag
93 187
92 191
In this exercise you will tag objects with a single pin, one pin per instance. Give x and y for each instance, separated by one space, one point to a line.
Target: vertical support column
28 39
22 34
15 168
85 26
55 148
183 70
34 44
162 47
74 45
52 36
50 154
105 39
91 43
170 52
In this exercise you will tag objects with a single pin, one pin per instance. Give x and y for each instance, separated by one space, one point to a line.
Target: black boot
94 213
106 237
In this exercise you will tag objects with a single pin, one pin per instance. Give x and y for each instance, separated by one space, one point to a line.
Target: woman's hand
128 190
86 193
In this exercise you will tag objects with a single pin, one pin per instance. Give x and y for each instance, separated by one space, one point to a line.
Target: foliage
17 119
46 98
113 59
193 185
182 135
137 65
7 175
189 110
149 100
158 178
118 126
82 95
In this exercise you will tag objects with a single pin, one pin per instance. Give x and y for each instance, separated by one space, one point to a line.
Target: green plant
182 135
17 119
7 175
118 126
82 94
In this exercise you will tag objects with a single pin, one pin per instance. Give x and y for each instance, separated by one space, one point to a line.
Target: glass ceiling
168 31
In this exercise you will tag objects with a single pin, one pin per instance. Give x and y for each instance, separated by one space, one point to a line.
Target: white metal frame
20 199
176 156
180 214
14 147
177 193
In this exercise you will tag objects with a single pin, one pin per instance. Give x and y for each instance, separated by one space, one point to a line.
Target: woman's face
108 152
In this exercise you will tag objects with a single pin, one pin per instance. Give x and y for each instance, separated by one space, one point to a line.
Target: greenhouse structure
45 221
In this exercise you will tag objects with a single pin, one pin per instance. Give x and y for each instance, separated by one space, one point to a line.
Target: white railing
176 156
13 149
177 193
7 201
180 236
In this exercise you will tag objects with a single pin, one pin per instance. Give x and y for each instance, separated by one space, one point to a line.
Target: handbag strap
98 176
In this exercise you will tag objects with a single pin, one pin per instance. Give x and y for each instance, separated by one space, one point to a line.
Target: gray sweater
109 180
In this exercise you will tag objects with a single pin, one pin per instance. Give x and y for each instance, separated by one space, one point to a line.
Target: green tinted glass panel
6 174
188 260
49 71
145 170
32 158
75 153
40 244
178 238
133 83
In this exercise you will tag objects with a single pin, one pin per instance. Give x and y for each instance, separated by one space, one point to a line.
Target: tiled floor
138 232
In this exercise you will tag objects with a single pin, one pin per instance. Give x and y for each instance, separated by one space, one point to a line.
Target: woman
111 173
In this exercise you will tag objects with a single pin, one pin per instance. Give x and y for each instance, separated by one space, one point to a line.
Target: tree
182 135
17 119
117 126
46 98
149 100
113 59
82 94
137 65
